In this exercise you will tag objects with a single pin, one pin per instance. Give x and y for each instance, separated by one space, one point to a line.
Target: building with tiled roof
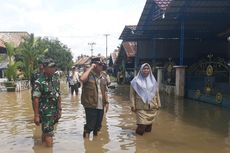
195 33
125 60
85 60
14 38
2 45
130 48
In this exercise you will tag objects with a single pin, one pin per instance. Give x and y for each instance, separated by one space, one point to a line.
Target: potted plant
11 70
10 86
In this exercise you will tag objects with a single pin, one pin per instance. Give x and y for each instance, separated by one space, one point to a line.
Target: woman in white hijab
145 99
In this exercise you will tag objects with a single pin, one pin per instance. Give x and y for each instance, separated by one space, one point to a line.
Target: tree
33 50
30 52
60 54
11 71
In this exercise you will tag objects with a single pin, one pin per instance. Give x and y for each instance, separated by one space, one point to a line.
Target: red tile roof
83 61
13 37
130 48
2 44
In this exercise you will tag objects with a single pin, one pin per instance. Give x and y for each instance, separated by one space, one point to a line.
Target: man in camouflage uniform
36 74
33 78
47 101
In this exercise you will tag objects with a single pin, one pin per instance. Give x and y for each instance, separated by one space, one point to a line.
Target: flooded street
181 127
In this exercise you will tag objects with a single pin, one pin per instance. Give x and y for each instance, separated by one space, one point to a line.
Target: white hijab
146 87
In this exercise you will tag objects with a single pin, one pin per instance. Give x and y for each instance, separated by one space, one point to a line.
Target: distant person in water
145 99
74 81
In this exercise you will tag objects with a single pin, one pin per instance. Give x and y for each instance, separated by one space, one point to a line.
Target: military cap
49 62
97 60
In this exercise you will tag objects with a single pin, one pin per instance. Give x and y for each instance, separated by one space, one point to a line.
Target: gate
209 81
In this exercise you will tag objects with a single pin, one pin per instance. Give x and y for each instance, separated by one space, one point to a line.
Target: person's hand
37 120
59 113
133 109
106 108
93 66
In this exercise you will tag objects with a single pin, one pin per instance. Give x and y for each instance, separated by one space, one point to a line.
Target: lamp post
91 47
106 49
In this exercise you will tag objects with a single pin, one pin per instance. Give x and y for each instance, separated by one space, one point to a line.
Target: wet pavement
182 126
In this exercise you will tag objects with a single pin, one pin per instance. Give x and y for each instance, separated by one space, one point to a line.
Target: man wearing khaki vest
94 96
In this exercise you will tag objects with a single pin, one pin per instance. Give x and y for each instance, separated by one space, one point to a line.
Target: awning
201 18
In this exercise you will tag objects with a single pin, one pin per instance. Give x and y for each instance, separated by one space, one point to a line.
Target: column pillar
160 77
180 80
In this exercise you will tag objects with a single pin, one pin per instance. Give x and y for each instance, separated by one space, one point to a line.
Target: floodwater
182 126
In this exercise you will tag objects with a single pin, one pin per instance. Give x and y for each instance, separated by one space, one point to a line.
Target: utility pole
91 47
106 49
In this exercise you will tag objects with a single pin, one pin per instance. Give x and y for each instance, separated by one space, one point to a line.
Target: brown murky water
181 127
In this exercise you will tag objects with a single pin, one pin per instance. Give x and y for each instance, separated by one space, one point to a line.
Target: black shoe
140 129
85 134
148 128
94 133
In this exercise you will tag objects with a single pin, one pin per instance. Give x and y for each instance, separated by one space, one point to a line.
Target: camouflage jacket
47 89
33 78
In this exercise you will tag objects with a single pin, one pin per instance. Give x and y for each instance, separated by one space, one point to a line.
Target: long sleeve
132 97
85 75
158 99
155 103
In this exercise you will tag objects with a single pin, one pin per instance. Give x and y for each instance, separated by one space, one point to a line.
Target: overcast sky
74 22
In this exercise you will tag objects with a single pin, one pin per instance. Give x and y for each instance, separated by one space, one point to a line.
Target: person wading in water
145 99
94 96
47 101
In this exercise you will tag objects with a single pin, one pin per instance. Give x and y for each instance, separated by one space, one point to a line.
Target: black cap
97 60
49 62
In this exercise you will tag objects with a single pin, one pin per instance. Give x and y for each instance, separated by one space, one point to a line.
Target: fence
22 85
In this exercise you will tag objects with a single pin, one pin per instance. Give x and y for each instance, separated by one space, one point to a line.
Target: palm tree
12 66
30 52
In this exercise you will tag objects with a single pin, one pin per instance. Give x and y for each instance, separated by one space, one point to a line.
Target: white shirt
100 103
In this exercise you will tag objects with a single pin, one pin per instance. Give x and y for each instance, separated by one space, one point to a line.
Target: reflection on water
182 126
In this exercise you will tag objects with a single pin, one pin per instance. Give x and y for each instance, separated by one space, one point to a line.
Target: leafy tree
30 52
60 54
33 50
11 71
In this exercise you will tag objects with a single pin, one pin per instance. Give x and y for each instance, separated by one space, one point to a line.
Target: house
125 61
189 40
10 37
82 62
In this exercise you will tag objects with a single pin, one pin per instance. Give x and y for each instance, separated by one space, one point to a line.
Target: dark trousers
74 88
94 119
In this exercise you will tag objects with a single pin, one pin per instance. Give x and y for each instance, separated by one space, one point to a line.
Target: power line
106 48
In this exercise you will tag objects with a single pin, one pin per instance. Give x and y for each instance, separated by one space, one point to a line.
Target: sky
76 23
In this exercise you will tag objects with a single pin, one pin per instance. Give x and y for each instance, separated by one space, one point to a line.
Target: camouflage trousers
48 122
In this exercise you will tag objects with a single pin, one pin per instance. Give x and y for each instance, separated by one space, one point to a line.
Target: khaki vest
89 96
